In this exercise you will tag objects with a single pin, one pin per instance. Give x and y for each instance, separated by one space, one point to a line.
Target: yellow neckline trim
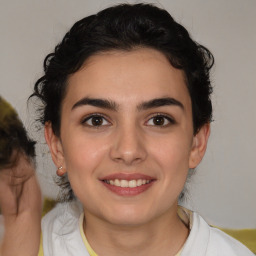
87 245
41 251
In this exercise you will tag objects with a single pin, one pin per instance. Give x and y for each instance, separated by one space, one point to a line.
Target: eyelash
86 119
169 119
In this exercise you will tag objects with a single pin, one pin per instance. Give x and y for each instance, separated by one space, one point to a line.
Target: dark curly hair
13 137
14 142
126 27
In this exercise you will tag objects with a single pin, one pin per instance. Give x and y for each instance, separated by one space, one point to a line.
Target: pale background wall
224 188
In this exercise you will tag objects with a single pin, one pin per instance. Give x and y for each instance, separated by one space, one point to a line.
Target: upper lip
127 176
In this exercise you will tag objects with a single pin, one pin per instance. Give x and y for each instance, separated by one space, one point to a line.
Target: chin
127 216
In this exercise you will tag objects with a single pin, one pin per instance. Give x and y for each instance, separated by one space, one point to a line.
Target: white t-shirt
61 236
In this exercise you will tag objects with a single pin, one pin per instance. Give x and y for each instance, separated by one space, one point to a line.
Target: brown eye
160 120
95 121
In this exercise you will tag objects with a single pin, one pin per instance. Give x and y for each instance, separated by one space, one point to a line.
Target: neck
164 235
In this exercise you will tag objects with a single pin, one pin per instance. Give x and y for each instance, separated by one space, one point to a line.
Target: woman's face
127 136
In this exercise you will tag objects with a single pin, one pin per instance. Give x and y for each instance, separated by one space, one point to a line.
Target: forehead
127 77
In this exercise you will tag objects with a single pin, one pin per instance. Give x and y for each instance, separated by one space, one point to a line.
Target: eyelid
89 116
170 119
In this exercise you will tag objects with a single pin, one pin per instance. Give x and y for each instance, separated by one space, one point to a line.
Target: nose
128 146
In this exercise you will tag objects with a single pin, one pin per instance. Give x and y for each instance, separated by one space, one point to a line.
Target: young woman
127 111
126 108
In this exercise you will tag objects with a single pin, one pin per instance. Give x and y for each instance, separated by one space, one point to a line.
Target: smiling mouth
127 183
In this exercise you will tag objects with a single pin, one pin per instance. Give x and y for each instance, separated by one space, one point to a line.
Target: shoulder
60 231
61 219
208 241
63 214
222 244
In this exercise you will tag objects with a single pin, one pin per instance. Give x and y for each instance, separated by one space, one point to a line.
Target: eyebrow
100 103
167 101
111 105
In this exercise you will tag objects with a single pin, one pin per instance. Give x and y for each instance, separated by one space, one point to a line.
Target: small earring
60 171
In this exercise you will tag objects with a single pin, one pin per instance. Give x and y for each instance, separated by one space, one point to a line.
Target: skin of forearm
22 222
22 235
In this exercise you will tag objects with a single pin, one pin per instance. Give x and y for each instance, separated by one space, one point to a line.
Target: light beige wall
223 190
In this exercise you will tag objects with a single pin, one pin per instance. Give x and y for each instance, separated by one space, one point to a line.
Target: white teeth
139 182
117 183
126 183
132 184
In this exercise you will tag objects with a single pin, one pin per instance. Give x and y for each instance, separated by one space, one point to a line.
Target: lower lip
128 191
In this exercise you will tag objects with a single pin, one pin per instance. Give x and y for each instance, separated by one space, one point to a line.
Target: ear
55 146
199 146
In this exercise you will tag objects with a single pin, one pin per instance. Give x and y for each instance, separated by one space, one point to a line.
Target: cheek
83 155
172 154
82 159
172 158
